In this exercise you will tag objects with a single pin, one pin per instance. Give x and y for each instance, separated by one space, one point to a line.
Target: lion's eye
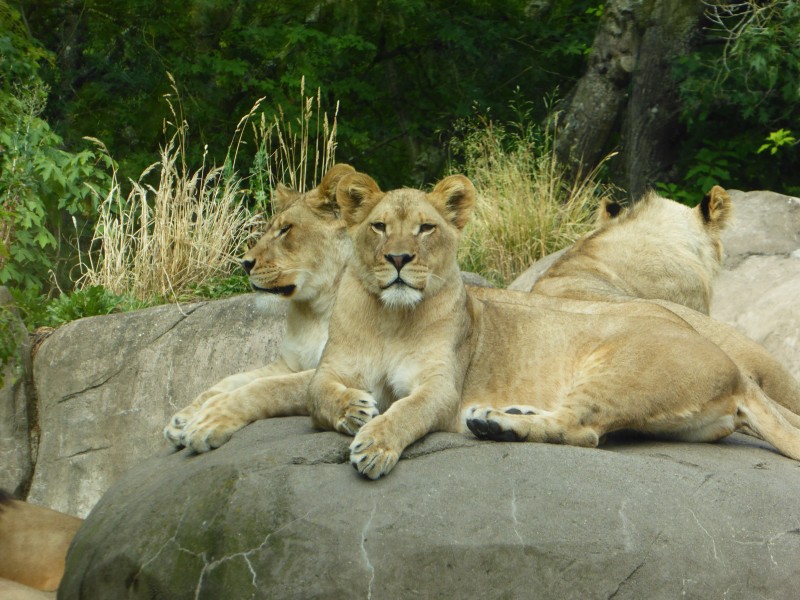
284 230
426 227
379 227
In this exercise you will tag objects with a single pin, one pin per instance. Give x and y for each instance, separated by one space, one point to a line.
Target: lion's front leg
335 406
174 431
378 445
226 413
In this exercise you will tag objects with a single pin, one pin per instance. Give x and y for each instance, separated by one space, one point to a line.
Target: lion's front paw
210 428
174 429
360 410
371 457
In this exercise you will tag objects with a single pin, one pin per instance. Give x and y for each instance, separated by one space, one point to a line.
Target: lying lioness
655 249
411 352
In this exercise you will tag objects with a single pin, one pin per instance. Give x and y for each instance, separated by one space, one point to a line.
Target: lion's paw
489 424
360 411
174 429
210 429
370 457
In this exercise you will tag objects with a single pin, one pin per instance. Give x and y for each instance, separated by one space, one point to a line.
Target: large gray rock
761 298
764 224
18 434
276 514
107 386
758 290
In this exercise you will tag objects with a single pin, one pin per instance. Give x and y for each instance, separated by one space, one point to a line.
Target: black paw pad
517 411
489 430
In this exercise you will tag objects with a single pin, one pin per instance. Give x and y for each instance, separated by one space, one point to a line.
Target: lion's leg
378 445
529 424
768 420
335 406
226 413
174 429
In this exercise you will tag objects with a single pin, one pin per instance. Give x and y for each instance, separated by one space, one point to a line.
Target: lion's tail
769 420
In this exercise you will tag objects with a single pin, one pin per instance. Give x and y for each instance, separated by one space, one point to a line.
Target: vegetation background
111 111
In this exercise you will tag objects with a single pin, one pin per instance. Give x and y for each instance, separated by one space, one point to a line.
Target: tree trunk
652 131
628 89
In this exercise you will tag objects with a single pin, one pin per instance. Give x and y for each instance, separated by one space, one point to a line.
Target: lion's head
305 245
655 249
405 240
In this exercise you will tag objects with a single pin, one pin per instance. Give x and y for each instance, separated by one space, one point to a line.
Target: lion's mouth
399 282
282 290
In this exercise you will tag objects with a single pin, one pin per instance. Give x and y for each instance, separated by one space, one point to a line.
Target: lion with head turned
427 355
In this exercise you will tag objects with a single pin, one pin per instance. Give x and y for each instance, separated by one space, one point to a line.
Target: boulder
18 435
108 385
758 290
276 513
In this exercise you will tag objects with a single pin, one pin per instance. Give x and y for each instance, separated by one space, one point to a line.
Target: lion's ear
281 197
454 196
716 208
325 199
356 194
609 209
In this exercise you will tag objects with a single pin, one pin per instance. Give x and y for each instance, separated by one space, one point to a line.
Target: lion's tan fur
667 253
33 544
656 249
300 258
419 358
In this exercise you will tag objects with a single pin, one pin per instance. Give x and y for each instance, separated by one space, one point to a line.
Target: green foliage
404 69
41 185
11 333
742 88
40 311
88 302
777 140
222 287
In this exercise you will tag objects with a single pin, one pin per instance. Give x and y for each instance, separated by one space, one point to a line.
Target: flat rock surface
277 513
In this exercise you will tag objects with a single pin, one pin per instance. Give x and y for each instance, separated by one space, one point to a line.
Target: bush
526 205
41 184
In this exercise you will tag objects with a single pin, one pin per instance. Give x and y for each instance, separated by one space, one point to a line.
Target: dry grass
162 240
290 152
526 206
165 240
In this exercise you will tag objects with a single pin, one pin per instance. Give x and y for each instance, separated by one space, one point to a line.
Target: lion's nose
248 265
399 260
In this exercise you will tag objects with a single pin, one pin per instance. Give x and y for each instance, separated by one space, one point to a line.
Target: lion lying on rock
655 249
300 257
669 254
427 355
307 235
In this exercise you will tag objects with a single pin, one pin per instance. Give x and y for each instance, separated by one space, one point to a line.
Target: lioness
429 356
669 254
655 249
300 257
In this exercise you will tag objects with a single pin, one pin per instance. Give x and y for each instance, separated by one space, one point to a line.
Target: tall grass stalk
527 207
162 240
296 153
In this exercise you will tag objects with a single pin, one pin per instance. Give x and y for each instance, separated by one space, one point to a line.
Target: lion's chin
400 296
